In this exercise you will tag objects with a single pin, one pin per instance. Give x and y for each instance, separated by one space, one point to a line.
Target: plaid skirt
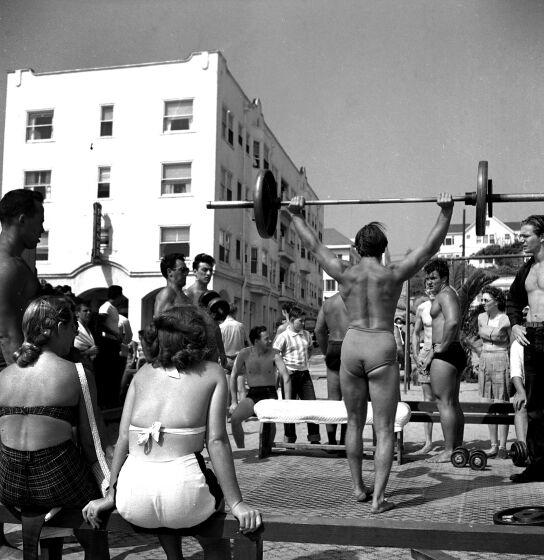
51 477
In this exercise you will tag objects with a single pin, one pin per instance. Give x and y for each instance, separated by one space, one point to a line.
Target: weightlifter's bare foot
426 448
365 494
443 457
382 507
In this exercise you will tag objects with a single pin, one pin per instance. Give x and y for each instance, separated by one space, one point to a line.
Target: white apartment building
497 232
152 143
343 248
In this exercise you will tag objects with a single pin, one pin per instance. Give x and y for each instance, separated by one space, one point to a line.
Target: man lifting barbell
369 364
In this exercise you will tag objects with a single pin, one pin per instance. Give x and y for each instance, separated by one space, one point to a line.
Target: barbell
266 202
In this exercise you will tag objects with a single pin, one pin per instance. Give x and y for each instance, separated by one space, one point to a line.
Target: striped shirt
293 346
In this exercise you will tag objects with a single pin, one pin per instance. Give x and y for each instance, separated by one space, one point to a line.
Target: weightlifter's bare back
369 366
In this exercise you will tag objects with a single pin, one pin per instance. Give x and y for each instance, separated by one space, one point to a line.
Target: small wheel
477 460
459 457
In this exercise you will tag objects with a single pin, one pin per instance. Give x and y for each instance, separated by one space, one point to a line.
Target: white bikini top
156 428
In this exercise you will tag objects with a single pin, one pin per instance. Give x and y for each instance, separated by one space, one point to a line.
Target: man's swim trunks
454 355
257 394
332 358
365 350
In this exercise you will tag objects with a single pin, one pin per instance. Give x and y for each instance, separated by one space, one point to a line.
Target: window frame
163 228
174 118
46 186
164 181
30 129
100 183
104 121
224 246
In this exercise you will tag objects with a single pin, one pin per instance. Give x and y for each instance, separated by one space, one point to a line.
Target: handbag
100 468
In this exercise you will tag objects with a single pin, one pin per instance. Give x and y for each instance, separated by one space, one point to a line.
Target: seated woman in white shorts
174 404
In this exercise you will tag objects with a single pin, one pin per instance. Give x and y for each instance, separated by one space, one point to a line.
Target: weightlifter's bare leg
383 386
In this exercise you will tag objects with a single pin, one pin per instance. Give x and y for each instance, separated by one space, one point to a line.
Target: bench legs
265 437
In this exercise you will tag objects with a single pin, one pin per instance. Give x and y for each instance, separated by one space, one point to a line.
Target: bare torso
50 381
336 317
259 367
194 291
534 285
18 286
175 402
446 302
169 297
370 292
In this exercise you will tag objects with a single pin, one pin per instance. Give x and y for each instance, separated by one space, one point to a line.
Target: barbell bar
266 202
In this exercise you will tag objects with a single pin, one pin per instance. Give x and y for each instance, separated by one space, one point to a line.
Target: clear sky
375 98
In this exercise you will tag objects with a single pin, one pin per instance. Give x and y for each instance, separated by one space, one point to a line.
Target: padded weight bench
271 411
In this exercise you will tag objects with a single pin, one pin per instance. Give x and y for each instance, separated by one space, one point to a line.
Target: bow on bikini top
67 413
153 432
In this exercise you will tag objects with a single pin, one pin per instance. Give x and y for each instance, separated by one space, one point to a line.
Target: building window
266 157
104 182
39 126
238 191
248 143
254 260
176 178
507 237
227 126
491 238
39 181
486 239
330 285
240 135
224 246
238 250
264 264
178 115
106 120
175 240
448 241
42 250
226 184
256 154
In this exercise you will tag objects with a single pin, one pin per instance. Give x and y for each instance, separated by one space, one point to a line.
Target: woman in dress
174 406
494 371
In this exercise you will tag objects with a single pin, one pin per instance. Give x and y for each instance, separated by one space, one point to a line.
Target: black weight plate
265 204
526 515
481 198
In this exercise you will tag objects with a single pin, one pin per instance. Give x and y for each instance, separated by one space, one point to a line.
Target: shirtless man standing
528 289
330 328
447 358
203 269
174 269
259 363
369 365
21 216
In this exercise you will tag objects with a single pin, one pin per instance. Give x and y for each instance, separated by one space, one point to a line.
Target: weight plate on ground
526 515
265 204
459 457
519 454
477 460
481 198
